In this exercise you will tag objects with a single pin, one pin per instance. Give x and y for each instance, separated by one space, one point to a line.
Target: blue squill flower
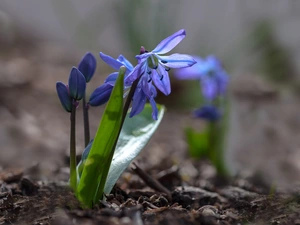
157 66
102 93
77 84
64 96
211 74
144 90
87 66
208 112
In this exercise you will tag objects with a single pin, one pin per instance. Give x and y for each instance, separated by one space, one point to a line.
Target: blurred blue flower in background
210 72
208 112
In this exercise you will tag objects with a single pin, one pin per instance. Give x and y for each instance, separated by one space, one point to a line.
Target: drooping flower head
157 66
87 66
210 72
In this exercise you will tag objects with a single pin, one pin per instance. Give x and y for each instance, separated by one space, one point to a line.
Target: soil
133 201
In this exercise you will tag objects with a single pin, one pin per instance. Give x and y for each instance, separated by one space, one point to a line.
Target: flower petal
170 42
63 95
209 88
161 80
177 60
143 57
111 78
100 95
192 72
223 79
115 64
138 102
125 62
134 74
145 85
77 84
87 66
154 108
153 91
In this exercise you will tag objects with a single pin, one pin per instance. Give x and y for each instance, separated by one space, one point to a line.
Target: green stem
212 142
216 148
86 122
129 98
73 177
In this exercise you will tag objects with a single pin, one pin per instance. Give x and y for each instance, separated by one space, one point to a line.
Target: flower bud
101 95
77 84
87 66
64 96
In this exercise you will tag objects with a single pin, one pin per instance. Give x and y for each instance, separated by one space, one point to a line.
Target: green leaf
135 134
96 167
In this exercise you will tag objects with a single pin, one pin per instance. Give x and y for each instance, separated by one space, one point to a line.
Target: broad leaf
96 167
135 134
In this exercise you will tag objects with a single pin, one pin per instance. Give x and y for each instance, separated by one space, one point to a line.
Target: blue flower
208 112
87 66
64 96
157 66
77 84
210 72
144 90
102 93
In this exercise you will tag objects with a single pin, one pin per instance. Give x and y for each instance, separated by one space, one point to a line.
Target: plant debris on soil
142 198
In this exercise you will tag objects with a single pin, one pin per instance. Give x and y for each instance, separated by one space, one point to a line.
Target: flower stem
129 98
216 148
73 177
86 122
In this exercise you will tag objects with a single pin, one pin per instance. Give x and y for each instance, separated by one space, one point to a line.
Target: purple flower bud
208 112
77 84
101 95
87 66
64 96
